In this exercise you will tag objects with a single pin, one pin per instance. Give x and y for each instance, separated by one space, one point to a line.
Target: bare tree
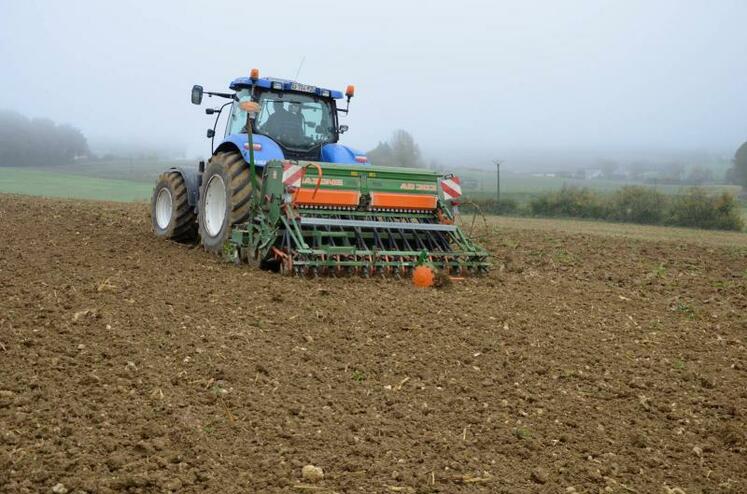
399 150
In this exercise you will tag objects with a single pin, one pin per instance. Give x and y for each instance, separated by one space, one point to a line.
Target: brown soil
582 363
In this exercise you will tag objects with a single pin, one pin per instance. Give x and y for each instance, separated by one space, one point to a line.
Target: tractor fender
339 153
191 180
268 149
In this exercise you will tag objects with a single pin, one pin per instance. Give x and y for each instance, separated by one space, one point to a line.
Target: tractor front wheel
224 199
171 215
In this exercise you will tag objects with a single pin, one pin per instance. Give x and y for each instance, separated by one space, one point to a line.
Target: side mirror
210 133
343 129
196 95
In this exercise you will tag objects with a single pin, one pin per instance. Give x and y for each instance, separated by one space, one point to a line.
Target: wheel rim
164 208
215 205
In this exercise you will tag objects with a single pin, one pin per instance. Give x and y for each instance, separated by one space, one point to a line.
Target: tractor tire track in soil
581 363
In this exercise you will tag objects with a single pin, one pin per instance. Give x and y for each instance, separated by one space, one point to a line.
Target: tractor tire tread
239 193
184 224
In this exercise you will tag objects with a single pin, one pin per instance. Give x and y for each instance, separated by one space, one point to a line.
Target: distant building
590 173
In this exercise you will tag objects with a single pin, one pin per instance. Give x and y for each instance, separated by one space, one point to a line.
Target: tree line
38 141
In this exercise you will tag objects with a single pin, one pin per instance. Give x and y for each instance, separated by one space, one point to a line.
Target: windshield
293 120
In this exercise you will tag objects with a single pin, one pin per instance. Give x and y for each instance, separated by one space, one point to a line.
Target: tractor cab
295 121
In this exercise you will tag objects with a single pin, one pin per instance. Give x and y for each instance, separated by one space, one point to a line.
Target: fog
470 80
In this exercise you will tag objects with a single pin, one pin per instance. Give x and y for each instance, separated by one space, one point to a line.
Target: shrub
636 204
696 208
569 201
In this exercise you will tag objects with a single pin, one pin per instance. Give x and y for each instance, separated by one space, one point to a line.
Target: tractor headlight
325 93
277 85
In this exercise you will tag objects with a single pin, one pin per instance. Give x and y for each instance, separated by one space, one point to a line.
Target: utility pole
498 180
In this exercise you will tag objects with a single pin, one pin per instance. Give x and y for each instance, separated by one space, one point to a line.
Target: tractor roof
284 85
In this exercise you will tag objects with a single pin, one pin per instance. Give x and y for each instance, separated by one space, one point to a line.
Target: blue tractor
295 122
280 192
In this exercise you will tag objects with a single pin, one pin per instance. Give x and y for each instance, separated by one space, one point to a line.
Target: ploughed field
584 362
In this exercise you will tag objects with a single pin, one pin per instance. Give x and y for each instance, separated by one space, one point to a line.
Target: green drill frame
318 239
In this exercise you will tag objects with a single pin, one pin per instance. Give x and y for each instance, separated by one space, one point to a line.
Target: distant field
54 184
478 184
134 170
133 181
482 185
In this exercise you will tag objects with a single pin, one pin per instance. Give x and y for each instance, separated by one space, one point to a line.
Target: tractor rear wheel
171 215
224 199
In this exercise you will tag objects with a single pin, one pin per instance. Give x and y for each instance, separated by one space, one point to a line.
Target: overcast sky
462 76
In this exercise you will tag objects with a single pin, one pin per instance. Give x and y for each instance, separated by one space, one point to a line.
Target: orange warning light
423 277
